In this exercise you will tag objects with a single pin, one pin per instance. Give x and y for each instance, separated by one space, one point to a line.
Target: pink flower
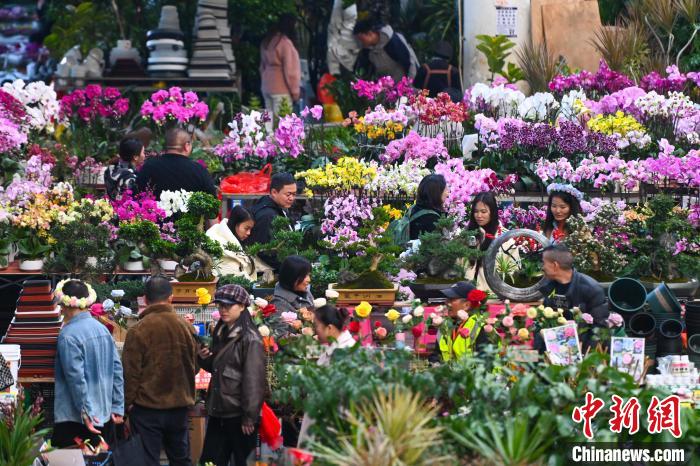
569 332
587 318
488 328
508 321
289 317
381 333
216 316
317 112
464 332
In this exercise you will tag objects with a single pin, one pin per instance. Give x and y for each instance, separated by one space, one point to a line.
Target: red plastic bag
270 428
248 182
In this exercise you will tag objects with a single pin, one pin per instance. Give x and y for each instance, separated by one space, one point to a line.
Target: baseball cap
232 294
459 290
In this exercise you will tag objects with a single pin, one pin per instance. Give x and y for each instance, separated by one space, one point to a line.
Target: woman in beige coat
230 233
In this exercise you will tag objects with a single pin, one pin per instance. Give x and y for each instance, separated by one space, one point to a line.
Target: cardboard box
197 429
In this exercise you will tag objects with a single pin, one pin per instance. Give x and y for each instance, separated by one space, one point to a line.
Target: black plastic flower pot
642 325
693 308
627 297
670 338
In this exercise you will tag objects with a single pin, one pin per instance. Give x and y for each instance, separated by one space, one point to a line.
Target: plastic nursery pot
692 308
694 345
670 337
662 301
627 297
642 325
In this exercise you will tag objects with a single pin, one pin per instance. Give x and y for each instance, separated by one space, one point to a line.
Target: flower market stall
421 381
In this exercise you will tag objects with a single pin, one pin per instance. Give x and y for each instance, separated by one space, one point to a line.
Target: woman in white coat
232 232
484 219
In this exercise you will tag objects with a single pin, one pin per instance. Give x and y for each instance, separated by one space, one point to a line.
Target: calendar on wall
506 20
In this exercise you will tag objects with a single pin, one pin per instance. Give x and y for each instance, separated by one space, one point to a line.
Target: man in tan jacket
159 362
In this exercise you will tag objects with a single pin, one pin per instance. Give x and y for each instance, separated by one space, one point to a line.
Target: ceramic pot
33 265
133 266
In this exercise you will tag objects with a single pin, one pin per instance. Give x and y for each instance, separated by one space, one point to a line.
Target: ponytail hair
331 315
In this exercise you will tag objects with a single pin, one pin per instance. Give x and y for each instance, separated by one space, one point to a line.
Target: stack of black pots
692 325
643 325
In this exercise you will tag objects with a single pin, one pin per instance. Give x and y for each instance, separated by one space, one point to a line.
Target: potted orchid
169 108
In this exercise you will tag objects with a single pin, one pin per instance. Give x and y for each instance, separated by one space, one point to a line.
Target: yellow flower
392 315
532 313
561 320
523 333
204 299
201 291
363 309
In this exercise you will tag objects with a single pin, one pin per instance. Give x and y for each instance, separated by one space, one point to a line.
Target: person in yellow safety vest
467 333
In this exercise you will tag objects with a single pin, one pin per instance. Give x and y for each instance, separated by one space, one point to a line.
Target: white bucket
11 353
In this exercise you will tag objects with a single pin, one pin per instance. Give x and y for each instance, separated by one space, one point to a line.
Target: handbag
248 182
6 379
129 452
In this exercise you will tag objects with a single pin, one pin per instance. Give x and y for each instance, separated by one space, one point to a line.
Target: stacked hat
167 54
212 52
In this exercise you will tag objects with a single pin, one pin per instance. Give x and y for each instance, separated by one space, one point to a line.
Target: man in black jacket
283 192
567 288
174 170
384 52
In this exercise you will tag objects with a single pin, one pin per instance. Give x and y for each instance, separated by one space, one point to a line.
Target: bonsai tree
601 244
442 253
370 256
134 241
284 242
194 246
667 245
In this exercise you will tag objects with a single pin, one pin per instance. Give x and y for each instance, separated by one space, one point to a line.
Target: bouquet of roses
511 325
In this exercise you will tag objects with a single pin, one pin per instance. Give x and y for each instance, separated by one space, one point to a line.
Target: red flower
432 331
377 324
464 332
476 297
417 331
268 310
354 326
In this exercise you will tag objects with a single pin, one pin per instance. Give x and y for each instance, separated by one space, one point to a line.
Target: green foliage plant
496 49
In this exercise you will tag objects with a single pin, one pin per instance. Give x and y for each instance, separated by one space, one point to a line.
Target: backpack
401 228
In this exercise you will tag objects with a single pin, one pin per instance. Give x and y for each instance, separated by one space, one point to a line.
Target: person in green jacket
467 334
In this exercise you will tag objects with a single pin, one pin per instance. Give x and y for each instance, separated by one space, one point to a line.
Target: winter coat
280 68
119 178
391 56
289 301
264 212
238 377
237 263
159 360
423 224
342 46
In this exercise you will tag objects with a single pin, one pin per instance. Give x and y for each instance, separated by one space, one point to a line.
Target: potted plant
32 251
440 257
369 256
601 243
132 245
196 248
667 247
166 253
6 245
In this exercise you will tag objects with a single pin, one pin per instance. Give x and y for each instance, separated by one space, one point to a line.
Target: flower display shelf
185 292
373 296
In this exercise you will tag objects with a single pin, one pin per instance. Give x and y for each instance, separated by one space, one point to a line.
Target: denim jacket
89 376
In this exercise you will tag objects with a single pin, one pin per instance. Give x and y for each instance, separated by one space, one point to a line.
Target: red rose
464 332
432 331
354 326
417 331
268 310
476 297
377 324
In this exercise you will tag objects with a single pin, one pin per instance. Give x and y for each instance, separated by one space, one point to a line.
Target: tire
497 285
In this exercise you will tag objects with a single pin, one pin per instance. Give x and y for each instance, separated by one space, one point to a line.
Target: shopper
564 202
89 385
329 323
236 361
231 233
342 46
292 290
283 192
121 175
437 74
384 52
280 67
467 334
159 368
484 219
174 170
567 288
432 192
